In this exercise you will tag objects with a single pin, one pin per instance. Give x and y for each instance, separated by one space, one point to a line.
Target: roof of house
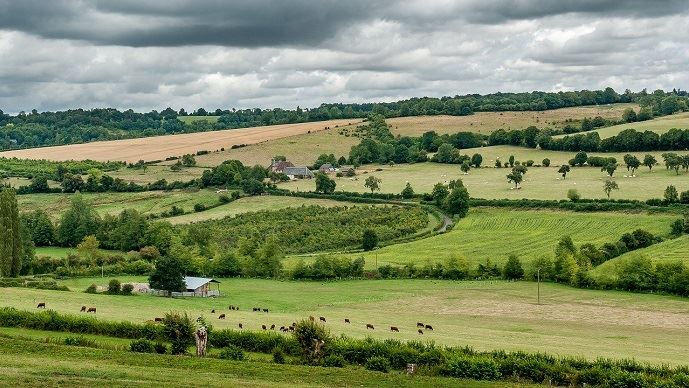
326 166
297 171
192 283
280 165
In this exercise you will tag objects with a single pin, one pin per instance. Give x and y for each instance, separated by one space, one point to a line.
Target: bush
114 286
471 367
142 346
278 356
79 341
233 353
378 363
179 330
224 198
160 348
307 333
573 195
92 289
199 207
127 289
334 361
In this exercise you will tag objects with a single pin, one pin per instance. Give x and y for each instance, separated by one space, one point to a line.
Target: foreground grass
484 315
27 363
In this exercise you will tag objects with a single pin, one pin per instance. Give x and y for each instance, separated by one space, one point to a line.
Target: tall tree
168 275
609 186
11 241
649 161
372 183
79 221
324 184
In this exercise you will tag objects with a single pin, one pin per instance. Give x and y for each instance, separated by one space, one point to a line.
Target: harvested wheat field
161 147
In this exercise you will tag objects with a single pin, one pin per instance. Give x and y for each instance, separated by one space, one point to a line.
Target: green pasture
154 173
63 252
484 315
659 125
491 183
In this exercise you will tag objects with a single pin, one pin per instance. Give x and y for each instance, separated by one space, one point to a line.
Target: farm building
298 172
279 166
200 286
327 168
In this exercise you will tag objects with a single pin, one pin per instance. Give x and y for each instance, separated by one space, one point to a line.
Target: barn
200 287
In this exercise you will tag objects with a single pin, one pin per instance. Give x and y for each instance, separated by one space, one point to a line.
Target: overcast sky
145 55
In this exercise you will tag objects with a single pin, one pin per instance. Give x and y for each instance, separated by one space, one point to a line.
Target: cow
282 329
221 316
429 327
263 327
395 329
347 320
312 318
272 327
419 324
241 326
291 328
256 309
322 319
265 310
83 309
213 311
91 310
370 326
157 319
420 331
41 305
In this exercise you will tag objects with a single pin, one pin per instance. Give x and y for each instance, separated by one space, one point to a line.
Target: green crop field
484 315
251 204
148 202
488 233
487 122
489 182
659 125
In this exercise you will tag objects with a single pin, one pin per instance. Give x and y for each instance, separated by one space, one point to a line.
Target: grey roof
193 283
297 171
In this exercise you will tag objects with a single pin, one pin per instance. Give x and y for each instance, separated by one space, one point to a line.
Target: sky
145 55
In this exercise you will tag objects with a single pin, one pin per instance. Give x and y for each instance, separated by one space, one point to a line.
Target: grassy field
26 363
161 147
487 122
659 125
526 233
156 172
63 252
252 204
191 119
148 202
485 315
539 182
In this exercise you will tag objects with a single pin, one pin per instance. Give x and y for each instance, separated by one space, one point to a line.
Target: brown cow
157 319
41 305
83 309
282 329
91 310
312 318
291 328
420 331
256 309
213 311
394 328
265 310
429 327
272 327
263 327
221 316
347 320
322 319
241 326
419 324
370 326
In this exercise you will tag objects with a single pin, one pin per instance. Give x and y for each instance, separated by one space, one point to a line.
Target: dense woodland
35 129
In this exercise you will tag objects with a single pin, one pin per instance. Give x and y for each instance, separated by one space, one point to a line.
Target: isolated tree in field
573 195
10 234
457 202
465 167
649 161
498 163
580 158
324 184
513 268
609 169
674 163
546 162
476 160
521 168
168 275
515 177
609 186
369 239
439 193
408 191
671 195
564 169
188 160
511 160
373 183
632 163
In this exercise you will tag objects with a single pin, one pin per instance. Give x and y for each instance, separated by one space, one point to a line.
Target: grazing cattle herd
395 329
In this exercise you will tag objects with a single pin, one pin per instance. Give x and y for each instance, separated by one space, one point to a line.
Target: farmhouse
298 172
327 168
278 166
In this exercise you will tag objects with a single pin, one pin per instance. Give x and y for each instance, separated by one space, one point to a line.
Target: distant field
148 202
18 182
659 125
491 183
156 172
161 147
488 233
487 122
252 204
191 119
484 315
63 252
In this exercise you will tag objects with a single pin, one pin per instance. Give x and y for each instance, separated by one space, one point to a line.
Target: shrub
142 346
278 356
334 361
233 353
114 286
179 330
224 198
199 207
573 195
160 348
378 363
471 367
127 289
307 333
79 341
92 289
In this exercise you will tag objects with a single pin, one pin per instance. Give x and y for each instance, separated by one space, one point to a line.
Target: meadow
487 122
161 147
491 183
659 125
493 234
484 315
